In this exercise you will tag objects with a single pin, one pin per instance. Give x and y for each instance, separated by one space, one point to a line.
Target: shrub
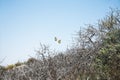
31 60
9 67
18 64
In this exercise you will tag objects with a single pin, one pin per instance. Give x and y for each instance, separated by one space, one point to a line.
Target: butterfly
59 41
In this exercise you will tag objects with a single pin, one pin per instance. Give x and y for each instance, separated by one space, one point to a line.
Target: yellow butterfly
59 41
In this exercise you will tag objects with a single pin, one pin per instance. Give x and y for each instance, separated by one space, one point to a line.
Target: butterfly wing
59 41
55 39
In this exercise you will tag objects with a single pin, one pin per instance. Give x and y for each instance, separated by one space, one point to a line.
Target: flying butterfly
59 41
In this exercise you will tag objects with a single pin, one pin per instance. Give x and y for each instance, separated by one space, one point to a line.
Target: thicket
94 56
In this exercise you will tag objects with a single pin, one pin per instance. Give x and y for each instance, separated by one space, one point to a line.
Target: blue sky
26 23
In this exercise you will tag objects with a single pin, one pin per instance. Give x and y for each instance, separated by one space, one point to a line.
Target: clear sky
26 23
